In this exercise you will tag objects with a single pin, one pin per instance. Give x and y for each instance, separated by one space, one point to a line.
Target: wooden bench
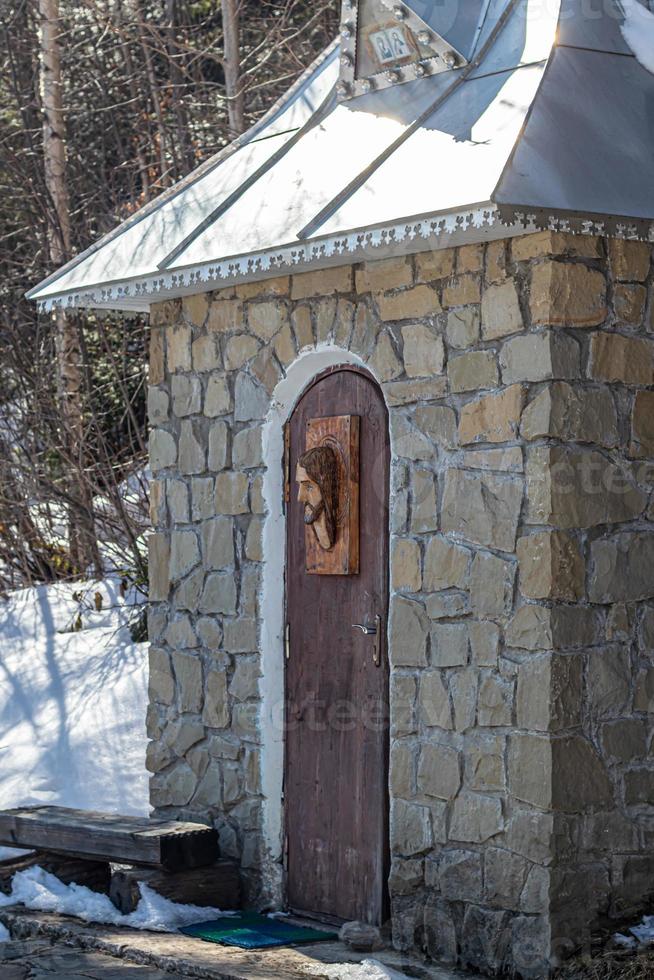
167 844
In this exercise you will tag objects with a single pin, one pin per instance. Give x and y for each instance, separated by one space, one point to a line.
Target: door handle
369 630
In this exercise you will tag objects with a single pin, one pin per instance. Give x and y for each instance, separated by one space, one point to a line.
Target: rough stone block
402 769
438 422
482 507
161 686
195 309
184 554
403 696
627 360
434 701
405 565
505 876
187 594
539 357
322 283
174 787
571 488
544 243
464 685
159 567
550 693
239 349
408 633
252 401
424 508
247 449
630 261
157 354
500 311
491 585
158 406
462 291
642 426
496 261
178 344
188 677
476 818
384 362
435 265
460 875
551 566
275 286
484 643
217 400
629 303
484 763
472 371
411 831
219 595
505 460
541 628
621 567
225 316
495 702
639 787
302 327
241 636
446 566
462 327
624 740
492 418
163 450
572 414
191 450
407 392
266 369
215 713
383 275
419 301
567 295
180 633
217 543
608 681
447 605
284 345
253 546
232 493
267 318
449 645
202 494
206 354
424 352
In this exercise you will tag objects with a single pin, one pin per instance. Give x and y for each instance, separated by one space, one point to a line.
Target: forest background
103 105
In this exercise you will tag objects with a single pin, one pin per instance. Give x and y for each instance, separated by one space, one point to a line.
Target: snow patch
39 890
73 704
638 32
640 935
367 970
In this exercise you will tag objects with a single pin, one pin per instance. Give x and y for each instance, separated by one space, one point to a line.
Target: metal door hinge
285 857
287 641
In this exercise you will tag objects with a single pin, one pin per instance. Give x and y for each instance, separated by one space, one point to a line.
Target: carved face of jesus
318 511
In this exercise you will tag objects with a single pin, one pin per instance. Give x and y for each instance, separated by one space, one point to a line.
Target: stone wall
519 378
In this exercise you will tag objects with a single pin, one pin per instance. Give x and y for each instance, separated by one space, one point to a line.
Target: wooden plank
109 837
95 875
218 886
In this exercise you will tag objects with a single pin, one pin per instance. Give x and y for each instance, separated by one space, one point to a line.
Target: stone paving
41 960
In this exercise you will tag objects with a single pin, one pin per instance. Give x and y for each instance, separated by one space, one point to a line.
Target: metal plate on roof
593 24
592 152
454 159
527 36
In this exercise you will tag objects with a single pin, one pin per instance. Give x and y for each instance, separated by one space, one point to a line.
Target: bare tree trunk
232 66
82 540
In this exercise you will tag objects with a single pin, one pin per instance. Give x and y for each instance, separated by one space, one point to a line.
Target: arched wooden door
336 763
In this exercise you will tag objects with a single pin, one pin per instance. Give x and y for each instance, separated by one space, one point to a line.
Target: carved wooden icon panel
327 476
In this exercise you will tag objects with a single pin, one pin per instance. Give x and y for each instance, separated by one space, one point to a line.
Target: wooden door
336 764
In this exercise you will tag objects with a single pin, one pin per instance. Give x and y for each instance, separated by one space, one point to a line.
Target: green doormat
249 930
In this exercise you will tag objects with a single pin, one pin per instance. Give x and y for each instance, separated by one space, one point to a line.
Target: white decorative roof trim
484 222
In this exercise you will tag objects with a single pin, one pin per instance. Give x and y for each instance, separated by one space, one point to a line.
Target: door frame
354 367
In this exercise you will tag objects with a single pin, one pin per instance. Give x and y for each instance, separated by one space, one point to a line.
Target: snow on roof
547 124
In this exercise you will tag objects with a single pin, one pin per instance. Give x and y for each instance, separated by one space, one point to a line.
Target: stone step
168 844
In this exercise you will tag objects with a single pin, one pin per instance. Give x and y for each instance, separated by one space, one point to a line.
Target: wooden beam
95 875
166 844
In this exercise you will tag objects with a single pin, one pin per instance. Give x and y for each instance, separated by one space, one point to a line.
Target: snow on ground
367 970
36 889
72 704
640 935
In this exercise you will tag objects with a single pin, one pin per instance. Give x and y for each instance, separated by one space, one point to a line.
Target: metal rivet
399 13
346 60
346 31
450 59
424 37
420 70
343 89
393 76
365 85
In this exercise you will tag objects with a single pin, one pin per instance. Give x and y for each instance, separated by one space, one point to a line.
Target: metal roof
548 124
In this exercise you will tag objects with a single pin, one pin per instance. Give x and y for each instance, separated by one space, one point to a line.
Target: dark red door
336 770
